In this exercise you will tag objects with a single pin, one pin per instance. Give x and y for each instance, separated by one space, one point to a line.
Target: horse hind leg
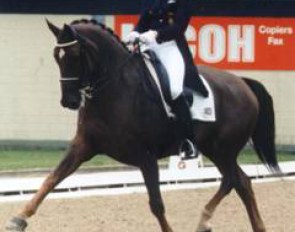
75 157
234 177
225 188
244 189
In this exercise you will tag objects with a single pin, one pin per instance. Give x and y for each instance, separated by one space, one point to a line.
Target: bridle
69 79
67 44
86 91
90 89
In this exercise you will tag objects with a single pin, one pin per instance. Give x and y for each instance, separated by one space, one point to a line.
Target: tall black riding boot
183 116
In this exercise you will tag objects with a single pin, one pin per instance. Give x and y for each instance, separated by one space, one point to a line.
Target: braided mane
102 26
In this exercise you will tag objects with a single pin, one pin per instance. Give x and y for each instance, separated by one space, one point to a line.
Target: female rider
162 27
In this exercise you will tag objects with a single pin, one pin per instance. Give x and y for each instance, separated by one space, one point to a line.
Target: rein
102 83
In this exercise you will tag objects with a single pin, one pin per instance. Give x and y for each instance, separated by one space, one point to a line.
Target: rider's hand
149 37
132 37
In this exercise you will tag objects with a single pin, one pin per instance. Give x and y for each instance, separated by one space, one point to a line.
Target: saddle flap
202 108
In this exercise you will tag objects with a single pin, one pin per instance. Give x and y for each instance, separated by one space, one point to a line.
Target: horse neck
111 54
113 64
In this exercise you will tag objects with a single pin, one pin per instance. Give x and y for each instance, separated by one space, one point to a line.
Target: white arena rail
179 175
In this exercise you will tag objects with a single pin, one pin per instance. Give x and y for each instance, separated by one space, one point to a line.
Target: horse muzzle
72 103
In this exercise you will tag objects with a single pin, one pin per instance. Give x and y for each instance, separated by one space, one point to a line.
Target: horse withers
119 115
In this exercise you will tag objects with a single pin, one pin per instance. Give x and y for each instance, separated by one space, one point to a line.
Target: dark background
272 8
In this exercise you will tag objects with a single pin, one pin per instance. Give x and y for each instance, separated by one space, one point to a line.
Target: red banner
236 42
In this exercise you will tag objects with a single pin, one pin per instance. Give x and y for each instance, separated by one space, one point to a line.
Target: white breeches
171 58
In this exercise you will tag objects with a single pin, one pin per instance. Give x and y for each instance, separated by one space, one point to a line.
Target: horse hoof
208 230
16 224
205 230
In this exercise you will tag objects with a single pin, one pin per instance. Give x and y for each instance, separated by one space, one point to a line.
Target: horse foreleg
73 159
245 191
150 173
209 209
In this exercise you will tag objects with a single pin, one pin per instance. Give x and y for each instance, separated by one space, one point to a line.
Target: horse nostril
74 105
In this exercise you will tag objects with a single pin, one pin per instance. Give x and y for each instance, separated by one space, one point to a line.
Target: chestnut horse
121 117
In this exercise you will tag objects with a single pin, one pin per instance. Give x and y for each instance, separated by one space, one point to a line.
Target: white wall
29 85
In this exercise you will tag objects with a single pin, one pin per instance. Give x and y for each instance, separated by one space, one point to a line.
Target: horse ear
69 32
54 29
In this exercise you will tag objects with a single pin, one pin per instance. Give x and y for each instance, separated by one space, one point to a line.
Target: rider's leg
183 116
173 61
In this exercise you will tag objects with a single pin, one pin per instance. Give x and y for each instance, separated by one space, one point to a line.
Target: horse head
74 56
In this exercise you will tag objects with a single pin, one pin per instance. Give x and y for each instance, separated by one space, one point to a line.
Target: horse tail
263 136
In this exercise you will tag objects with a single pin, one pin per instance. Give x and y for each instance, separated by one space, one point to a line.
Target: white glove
149 37
132 37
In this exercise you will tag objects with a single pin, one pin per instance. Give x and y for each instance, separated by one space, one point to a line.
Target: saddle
162 76
201 108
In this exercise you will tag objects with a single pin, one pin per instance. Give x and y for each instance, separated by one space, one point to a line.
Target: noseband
65 79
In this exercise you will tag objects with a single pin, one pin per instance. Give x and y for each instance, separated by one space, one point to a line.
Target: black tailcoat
171 22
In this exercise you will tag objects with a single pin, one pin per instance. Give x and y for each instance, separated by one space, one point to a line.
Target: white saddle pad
202 109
